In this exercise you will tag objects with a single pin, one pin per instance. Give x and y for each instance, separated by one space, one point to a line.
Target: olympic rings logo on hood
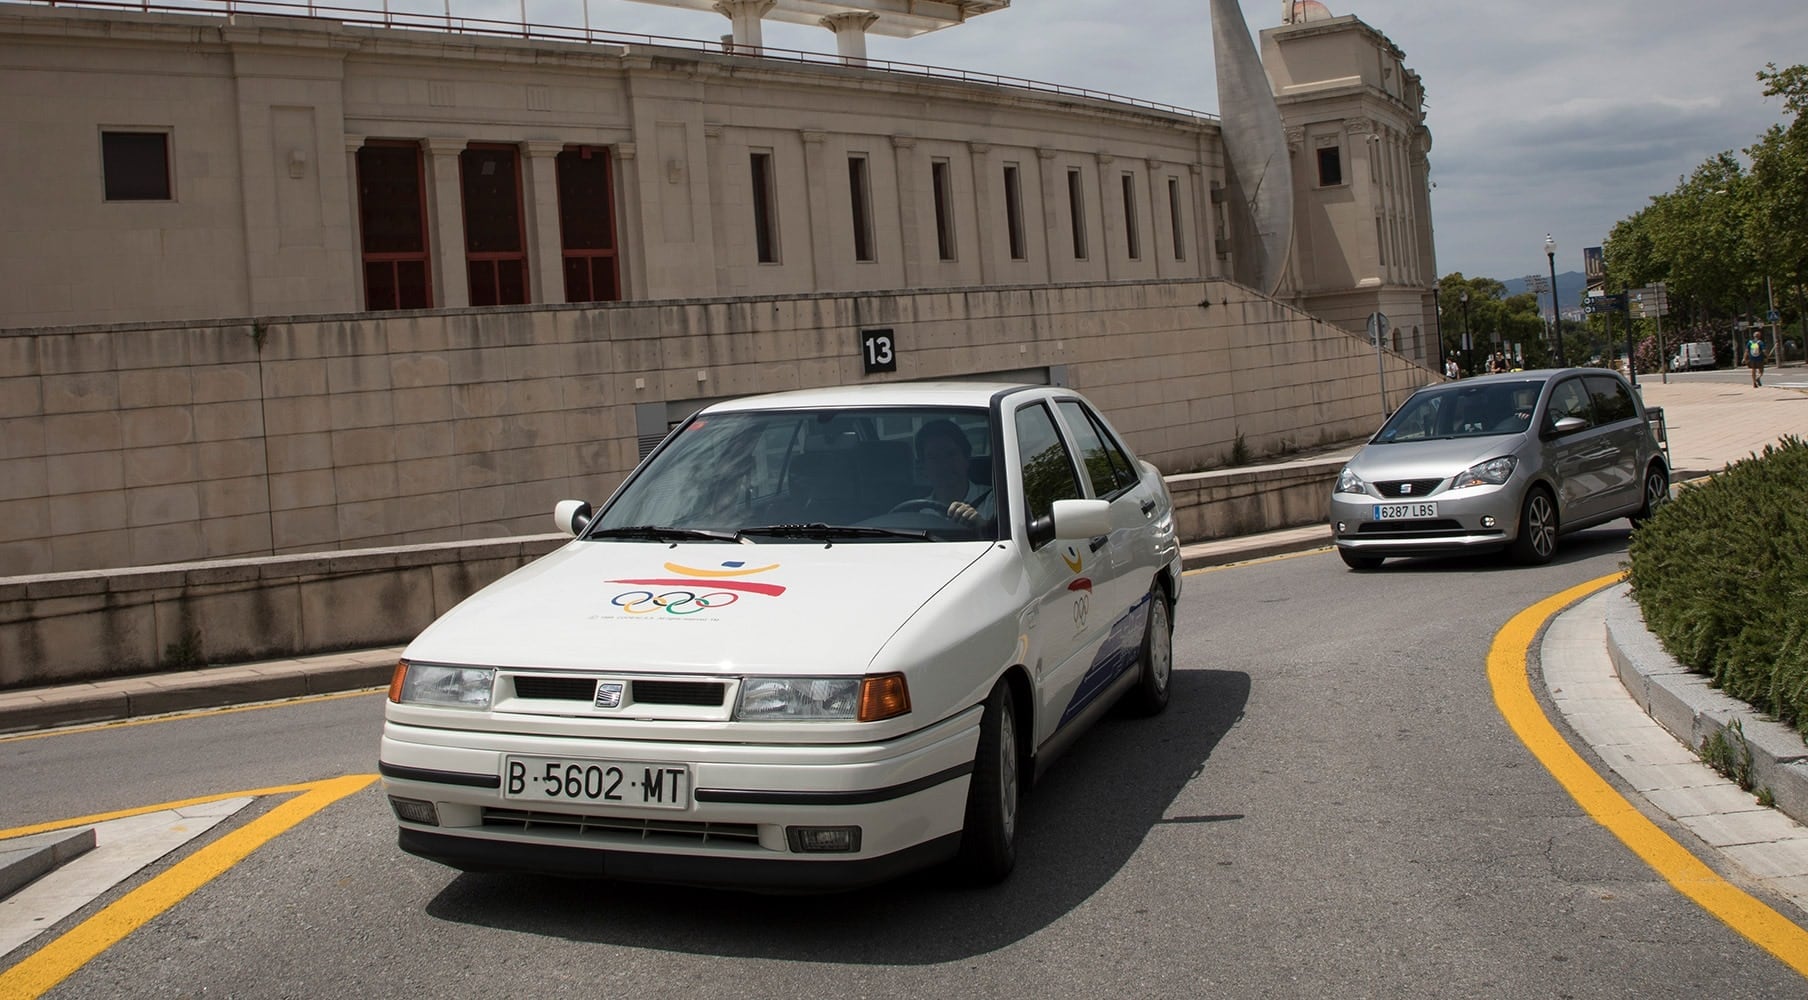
695 589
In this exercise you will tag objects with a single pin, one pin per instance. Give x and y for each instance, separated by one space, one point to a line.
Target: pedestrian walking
1450 369
1754 358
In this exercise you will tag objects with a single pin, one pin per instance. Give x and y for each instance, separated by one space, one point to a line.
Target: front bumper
907 797
1462 525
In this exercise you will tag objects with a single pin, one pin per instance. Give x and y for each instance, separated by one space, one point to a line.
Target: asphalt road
1331 807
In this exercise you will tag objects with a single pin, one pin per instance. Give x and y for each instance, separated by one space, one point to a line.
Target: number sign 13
878 351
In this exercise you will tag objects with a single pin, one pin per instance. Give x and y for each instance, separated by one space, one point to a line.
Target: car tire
988 846
1537 541
1359 563
1657 493
1155 668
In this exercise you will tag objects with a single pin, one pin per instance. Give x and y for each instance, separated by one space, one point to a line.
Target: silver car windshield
856 475
1464 410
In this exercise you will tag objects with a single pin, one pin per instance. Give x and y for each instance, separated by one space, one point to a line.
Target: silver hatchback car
1499 462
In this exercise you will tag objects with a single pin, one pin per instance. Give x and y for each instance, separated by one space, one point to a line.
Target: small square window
1330 167
135 165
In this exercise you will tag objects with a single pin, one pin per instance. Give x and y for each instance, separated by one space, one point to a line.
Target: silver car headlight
1493 472
866 699
448 687
1350 482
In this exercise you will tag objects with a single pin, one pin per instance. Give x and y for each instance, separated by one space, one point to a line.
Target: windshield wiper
826 531
656 533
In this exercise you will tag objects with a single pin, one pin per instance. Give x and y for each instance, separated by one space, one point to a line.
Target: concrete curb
211 687
27 859
1201 555
1687 705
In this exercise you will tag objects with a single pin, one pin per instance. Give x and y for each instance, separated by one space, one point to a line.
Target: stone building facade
280 285
186 166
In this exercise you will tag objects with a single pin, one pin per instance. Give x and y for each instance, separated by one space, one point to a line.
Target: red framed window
392 218
587 224
495 240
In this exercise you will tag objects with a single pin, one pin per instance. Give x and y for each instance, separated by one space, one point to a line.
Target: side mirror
1073 520
572 516
1569 425
1082 518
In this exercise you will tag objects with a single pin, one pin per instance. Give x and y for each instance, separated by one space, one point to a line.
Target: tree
1777 226
1723 230
1496 320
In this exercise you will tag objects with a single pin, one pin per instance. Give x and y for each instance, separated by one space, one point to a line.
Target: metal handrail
446 21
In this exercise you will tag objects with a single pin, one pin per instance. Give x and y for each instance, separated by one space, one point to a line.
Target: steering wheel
921 506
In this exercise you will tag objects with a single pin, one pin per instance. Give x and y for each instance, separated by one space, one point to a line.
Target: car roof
974 394
1535 375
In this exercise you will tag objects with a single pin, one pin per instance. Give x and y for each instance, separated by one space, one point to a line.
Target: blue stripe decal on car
1118 653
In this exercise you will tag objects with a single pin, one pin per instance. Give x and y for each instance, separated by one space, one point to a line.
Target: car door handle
1148 506
1099 541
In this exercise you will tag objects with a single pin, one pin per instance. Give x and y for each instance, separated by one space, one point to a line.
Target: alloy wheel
1541 522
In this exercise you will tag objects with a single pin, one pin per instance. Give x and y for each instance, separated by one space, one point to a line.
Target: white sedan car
818 639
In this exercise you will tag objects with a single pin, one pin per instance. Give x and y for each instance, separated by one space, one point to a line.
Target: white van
1691 356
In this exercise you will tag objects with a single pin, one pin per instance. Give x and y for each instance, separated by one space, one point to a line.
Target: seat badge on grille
608 694
1405 489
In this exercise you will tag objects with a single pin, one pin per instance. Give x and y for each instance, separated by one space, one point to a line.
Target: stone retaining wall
145 445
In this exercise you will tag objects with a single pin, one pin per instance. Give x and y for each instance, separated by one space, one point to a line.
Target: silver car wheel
1657 490
1541 525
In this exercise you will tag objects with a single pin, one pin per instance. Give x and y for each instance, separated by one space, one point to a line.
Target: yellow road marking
60 958
1507 674
192 713
64 824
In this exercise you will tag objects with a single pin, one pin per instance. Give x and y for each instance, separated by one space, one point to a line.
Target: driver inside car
943 454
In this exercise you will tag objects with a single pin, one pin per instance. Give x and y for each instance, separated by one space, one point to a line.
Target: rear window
1612 401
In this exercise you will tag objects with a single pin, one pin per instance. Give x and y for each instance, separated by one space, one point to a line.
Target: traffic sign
1601 303
1774 317
1377 328
1652 300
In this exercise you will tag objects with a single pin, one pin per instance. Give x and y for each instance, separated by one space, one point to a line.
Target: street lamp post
1468 353
1550 253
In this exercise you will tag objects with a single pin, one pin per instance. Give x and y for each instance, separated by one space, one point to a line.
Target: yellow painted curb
1507 674
57 960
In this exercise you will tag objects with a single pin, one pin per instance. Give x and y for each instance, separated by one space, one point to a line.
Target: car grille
645 692
1412 529
679 692
622 829
555 688
1408 487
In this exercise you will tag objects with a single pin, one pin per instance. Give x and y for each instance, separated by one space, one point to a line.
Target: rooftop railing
391 14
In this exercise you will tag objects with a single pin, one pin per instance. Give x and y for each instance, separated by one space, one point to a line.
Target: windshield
1463 410
879 475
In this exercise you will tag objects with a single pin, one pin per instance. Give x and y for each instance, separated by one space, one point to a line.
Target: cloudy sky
1559 116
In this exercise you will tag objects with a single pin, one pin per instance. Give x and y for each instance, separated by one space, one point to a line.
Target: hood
798 609
1439 459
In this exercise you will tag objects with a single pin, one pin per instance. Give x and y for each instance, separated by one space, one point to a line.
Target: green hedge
1721 573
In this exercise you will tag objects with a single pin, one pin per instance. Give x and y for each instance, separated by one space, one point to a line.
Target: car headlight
433 684
1490 473
1350 482
866 699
